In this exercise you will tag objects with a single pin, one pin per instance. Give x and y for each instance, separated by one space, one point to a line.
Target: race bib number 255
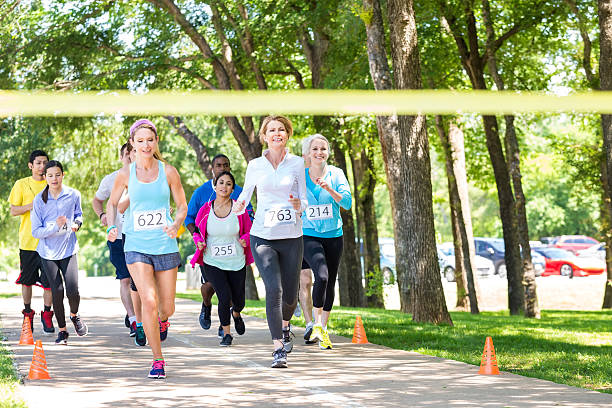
149 220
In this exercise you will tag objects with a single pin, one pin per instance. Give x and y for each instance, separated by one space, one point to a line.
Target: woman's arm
36 218
120 184
250 182
178 195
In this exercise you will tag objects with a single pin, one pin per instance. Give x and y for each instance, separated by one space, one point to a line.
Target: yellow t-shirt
23 193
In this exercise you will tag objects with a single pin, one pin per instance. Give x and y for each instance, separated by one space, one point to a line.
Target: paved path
106 369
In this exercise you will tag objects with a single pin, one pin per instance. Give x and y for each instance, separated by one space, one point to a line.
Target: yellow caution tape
302 102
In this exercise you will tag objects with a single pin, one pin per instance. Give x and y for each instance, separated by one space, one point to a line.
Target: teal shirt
148 212
330 227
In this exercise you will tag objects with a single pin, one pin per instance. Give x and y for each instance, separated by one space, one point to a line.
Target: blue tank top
148 213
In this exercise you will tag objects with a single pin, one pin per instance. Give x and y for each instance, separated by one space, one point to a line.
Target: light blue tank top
148 213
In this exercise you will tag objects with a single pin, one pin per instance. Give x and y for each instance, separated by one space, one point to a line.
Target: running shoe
298 311
47 321
126 321
62 337
325 343
141 338
317 333
205 321
163 329
227 340
288 337
238 324
158 369
220 332
29 314
133 329
308 332
280 358
79 326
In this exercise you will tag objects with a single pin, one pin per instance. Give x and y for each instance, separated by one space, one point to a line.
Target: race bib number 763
279 216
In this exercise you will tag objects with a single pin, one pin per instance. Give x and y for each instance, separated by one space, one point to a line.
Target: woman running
223 248
327 191
276 235
56 217
151 250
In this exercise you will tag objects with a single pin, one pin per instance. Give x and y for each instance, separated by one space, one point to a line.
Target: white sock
132 319
309 324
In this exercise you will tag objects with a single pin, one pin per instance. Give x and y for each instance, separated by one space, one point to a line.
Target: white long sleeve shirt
275 217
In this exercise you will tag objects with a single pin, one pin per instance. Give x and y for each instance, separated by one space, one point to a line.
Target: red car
574 243
565 263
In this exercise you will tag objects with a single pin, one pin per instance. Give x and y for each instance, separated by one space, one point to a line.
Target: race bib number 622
279 216
149 220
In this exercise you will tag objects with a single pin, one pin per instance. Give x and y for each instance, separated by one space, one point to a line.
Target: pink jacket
244 221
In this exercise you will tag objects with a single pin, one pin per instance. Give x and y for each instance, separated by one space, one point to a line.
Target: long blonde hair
146 124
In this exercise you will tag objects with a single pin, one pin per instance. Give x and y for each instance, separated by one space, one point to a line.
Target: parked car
386 247
574 243
565 263
494 250
387 259
483 266
596 251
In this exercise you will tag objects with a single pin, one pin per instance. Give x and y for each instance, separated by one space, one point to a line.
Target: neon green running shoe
325 343
317 333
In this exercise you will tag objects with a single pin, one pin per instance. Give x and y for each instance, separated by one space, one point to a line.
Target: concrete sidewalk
106 369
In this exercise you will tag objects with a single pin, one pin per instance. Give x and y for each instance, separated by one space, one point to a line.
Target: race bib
223 251
149 220
279 216
319 212
65 229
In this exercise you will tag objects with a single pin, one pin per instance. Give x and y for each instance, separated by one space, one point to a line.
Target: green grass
8 381
566 347
8 295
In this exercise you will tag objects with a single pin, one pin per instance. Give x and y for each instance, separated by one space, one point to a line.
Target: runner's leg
144 279
220 282
51 269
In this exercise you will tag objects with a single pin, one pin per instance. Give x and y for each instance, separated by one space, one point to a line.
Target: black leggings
323 256
229 286
278 262
69 269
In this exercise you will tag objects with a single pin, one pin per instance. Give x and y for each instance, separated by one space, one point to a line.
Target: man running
21 198
201 196
116 254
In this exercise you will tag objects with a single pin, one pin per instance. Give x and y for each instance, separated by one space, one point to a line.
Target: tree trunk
406 153
365 182
463 238
605 77
532 309
249 285
606 224
195 143
516 295
473 64
349 273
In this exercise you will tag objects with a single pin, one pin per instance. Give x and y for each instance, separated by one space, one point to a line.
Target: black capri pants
229 286
278 262
323 256
69 270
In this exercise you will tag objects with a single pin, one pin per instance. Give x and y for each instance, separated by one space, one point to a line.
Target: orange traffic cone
488 364
38 368
359 335
26 332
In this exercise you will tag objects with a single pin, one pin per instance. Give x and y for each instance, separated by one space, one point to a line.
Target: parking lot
554 292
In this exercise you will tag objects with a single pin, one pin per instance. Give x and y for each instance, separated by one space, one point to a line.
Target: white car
446 256
596 251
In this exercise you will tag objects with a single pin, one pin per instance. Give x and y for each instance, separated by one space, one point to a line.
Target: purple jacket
244 221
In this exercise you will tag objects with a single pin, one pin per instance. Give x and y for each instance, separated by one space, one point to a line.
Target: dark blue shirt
204 194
